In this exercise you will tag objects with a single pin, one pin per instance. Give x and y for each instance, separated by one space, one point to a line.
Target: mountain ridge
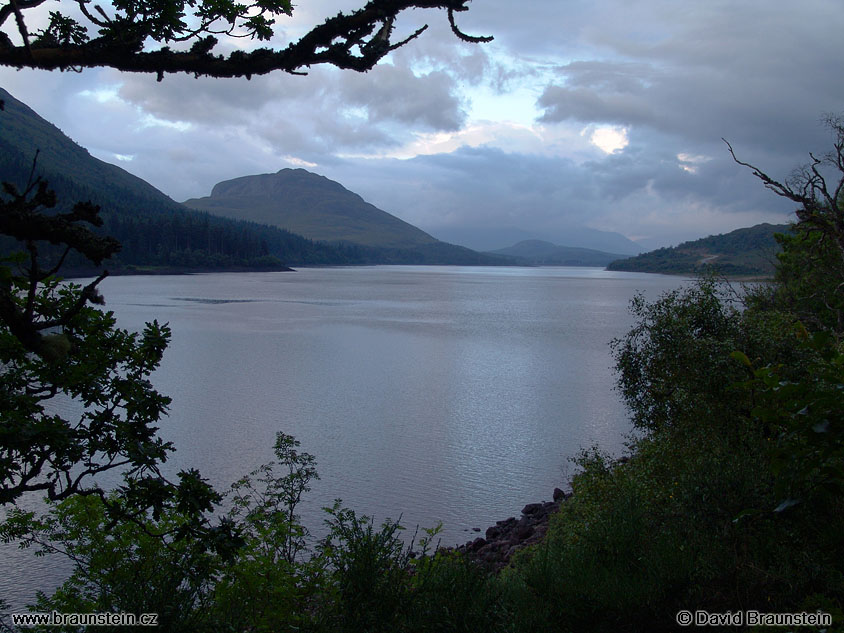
492 238
544 253
25 134
747 251
311 205
157 233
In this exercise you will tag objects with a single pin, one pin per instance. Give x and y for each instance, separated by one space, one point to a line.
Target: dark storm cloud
211 101
757 72
328 110
390 93
638 193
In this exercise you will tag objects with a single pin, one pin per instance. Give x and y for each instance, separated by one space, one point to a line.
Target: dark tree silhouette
818 189
811 265
136 35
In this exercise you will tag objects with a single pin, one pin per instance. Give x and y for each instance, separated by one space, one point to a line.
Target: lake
452 394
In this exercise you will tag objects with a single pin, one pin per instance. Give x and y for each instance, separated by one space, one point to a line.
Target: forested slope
749 251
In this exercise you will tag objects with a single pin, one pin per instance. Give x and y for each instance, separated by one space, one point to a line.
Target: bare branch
21 26
410 37
819 208
83 6
21 5
779 188
460 34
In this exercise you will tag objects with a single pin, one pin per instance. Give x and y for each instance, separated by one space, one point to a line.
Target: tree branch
460 34
21 26
333 42
820 209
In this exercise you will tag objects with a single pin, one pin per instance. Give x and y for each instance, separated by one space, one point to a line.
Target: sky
605 114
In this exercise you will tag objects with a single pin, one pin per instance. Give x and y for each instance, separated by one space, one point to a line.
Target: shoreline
510 535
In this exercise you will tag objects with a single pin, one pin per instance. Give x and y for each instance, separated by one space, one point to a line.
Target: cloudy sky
607 114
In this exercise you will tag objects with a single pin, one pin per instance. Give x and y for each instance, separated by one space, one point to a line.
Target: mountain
749 251
156 232
321 209
542 253
159 234
485 238
310 205
68 167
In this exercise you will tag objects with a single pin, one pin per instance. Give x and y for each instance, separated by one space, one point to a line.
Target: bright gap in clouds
149 120
609 139
299 162
690 162
105 94
518 106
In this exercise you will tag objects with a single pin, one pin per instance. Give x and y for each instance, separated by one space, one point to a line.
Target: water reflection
436 393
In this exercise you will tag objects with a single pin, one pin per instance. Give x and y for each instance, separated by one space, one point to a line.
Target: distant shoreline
124 271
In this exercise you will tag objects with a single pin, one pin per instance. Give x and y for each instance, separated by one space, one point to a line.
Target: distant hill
749 251
542 253
490 238
321 209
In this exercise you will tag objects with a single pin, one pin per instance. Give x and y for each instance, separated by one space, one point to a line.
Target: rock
510 535
532 508
476 545
524 532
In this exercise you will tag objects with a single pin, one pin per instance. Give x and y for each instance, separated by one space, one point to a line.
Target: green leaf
742 358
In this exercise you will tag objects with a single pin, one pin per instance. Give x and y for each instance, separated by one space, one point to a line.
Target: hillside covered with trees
155 232
750 251
158 234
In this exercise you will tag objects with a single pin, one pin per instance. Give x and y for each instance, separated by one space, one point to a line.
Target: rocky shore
506 537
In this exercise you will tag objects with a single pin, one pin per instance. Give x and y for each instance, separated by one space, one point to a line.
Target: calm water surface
450 394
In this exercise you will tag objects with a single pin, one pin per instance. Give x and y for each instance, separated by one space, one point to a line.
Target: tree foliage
137 35
806 416
666 360
359 577
802 403
76 402
50 347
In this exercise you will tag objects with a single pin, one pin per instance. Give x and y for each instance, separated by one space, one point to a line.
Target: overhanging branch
355 41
